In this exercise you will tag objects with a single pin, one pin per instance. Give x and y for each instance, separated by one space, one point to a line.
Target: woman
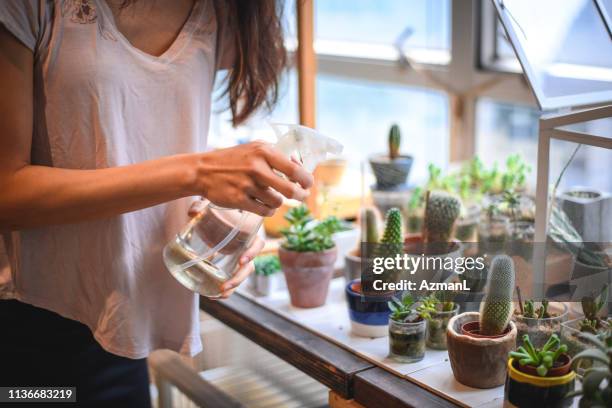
103 117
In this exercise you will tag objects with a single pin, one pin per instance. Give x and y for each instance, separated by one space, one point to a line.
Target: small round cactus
496 308
442 212
395 140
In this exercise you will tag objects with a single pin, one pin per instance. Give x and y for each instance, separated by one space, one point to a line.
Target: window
360 113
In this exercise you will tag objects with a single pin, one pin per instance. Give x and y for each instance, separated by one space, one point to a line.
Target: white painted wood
331 322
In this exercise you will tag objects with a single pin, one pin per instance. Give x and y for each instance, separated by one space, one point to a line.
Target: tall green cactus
393 228
442 212
496 308
395 140
369 225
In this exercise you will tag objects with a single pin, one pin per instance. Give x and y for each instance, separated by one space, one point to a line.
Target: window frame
463 79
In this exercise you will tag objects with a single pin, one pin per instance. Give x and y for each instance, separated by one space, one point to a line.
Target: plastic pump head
306 145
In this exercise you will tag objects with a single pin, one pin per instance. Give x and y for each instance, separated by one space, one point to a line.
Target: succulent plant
596 390
306 234
395 140
442 210
530 311
544 358
591 307
496 308
369 223
267 265
409 310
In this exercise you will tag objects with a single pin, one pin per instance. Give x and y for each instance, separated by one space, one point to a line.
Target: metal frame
545 103
552 127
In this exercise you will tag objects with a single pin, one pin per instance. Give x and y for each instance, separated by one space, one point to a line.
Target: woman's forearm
36 195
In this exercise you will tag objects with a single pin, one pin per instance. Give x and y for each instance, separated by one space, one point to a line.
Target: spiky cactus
394 141
496 308
392 240
442 210
369 222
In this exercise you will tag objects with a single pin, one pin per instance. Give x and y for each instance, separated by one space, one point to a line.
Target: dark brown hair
256 30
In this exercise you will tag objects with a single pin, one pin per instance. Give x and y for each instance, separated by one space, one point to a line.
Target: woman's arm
32 195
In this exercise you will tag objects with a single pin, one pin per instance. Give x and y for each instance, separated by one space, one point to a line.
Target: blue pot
369 314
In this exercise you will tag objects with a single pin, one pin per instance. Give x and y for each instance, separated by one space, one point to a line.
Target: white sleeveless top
100 102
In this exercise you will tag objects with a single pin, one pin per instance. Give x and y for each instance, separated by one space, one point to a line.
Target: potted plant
368 313
591 322
539 322
415 211
435 241
596 388
493 230
267 268
369 236
539 377
307 256
479 342
407 329
392 169
441 309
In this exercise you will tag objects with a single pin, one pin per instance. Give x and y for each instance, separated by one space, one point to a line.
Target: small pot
369 315
540 330
478 362
352 265
407 340
436 328
308 275
527 390
390 173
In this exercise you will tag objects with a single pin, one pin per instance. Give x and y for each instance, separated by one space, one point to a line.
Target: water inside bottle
203 276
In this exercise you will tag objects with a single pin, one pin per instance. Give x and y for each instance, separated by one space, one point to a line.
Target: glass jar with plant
592 322
539 321
441 308
407 329
307 256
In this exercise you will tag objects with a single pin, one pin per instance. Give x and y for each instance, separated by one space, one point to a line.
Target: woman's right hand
243 177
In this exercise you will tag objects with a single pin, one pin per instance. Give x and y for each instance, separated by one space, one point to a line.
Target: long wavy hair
260 57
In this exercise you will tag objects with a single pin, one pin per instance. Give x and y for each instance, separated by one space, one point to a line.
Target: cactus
394 141
369 224
496 308
442 210
393 228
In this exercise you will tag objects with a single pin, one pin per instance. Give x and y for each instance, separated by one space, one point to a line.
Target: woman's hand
245 263
243 177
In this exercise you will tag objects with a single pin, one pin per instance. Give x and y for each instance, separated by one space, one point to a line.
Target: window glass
360 113
382 21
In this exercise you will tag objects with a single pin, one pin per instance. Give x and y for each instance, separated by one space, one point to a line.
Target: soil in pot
436 328
407 340
540 330
308 275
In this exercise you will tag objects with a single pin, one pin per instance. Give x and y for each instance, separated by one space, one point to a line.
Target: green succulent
409 310
544 358
306 234
596 388
267 265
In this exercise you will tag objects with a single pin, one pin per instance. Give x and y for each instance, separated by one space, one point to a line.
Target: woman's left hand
245 264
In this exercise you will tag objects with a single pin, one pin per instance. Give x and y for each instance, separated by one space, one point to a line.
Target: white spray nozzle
304 143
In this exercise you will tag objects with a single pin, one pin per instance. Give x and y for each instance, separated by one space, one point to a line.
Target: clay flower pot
389 173
369 315
308 275
478 362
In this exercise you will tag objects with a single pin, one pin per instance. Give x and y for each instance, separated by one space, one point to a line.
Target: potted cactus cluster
368 309
478 342
307 256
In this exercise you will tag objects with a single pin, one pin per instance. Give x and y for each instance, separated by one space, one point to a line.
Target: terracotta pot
308 275
478 362
473 329
560 368
352 265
